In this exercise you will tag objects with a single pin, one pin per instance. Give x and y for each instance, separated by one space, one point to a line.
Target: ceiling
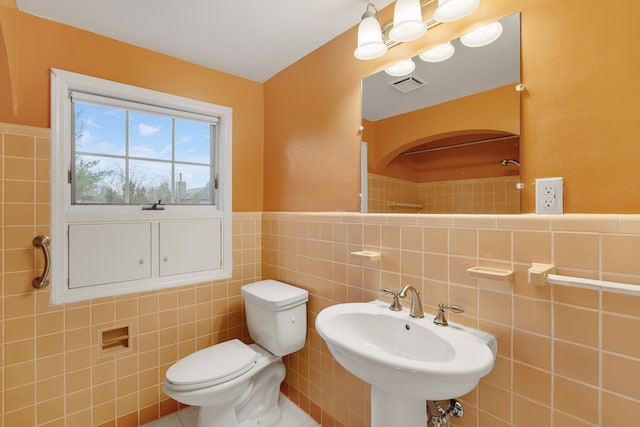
248 38
469 71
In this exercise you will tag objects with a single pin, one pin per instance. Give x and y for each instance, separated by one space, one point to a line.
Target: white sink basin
403 358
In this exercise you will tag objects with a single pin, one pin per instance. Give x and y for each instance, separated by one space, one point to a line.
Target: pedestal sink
407 361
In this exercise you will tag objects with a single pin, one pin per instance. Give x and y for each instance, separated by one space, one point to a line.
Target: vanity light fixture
370 44
452 10
402 68
440 53
408 24
482 36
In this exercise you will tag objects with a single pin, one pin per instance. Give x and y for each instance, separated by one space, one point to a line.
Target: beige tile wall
567 356
497 195
391 194
51 371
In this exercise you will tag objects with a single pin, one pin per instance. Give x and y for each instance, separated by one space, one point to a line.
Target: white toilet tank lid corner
273 294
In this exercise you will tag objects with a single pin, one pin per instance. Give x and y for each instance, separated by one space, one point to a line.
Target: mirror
445 138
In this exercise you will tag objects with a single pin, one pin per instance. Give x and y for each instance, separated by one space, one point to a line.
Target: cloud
90 122
143 151
148 130
113 113
84 138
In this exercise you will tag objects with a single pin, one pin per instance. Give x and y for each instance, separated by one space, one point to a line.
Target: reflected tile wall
497 195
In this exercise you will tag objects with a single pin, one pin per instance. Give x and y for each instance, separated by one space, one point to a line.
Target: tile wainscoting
567 356
51 370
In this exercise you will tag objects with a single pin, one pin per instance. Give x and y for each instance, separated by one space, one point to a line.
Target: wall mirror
445 138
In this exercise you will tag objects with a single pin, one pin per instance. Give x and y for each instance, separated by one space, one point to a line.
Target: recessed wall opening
114 340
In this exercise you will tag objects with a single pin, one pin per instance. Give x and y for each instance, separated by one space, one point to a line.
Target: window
126 156
141 189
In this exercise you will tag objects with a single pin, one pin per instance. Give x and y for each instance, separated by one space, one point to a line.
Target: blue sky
103 131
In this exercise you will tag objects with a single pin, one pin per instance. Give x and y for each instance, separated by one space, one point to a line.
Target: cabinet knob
165 259
141 261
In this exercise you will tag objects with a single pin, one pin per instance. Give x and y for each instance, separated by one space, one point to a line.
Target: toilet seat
212 365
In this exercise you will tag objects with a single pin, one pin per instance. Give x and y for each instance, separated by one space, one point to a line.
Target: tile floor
292 416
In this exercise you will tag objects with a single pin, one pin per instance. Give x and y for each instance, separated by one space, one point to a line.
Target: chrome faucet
416 304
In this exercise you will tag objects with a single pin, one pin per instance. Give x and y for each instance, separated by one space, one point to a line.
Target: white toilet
235 384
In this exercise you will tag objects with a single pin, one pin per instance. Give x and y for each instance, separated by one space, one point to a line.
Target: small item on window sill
154 207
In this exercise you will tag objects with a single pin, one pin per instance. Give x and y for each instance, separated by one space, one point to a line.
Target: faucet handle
395 305
441 319
451 308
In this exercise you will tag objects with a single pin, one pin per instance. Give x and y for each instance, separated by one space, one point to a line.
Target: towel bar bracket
544 274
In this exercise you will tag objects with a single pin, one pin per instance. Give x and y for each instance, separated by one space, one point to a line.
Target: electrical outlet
549 195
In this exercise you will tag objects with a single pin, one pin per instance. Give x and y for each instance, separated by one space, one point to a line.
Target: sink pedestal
390 409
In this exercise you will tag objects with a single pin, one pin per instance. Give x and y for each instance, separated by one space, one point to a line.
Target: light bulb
407 21
482 36
370 44
440 53
402 68
452 10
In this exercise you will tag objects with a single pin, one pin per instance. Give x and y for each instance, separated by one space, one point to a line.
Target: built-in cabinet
101 254
108 253
189 247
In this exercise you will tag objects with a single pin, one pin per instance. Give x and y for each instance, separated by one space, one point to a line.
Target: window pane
150 136
193 142
99 130
193 184
113 167
99 179
149 182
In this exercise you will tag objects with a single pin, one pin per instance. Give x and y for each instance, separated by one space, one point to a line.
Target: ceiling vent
407 84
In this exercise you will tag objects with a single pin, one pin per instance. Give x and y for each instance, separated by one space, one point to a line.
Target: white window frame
64 214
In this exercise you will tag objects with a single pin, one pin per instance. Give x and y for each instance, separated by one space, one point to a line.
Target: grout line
2 273
600 354
600 338
552 299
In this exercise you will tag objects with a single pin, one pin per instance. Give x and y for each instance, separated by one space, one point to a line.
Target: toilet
235 384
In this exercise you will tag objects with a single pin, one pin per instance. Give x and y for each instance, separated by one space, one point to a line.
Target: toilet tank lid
274 295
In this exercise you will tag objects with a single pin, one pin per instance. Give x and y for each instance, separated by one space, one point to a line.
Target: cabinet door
189 247
108 253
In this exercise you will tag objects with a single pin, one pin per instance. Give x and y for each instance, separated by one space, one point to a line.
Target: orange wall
578 110
480 115
312 119
30 46
495 110
476 161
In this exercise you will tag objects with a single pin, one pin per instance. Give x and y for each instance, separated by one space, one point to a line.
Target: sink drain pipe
454 409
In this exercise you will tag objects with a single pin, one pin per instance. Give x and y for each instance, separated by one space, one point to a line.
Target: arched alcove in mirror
445 138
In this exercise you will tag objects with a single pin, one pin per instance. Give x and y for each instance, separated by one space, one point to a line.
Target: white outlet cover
549 196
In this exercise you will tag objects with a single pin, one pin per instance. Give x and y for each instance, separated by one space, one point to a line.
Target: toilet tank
276 315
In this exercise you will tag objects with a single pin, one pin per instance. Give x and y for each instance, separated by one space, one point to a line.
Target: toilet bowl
235 384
